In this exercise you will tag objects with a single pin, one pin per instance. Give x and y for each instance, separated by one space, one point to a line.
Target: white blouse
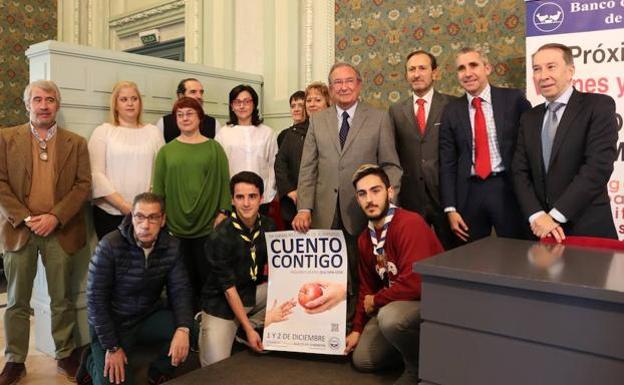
122 161
251 148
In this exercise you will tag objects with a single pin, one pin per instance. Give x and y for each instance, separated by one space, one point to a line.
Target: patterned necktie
549 130
420 116
378 244
344 129
483 165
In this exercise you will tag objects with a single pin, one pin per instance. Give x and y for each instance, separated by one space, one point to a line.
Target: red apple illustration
309 292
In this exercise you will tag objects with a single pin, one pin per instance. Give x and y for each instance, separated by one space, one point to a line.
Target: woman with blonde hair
122 154
288 156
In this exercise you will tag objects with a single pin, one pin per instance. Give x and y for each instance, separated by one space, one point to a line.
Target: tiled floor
41 368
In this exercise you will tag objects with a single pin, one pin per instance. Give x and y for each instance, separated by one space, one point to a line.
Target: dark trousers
194 256
492 204
353 257
104 222
155 330
435 216
288 210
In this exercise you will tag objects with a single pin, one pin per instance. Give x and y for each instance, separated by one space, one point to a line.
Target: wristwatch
113 349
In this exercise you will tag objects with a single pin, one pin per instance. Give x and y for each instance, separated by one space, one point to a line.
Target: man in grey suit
339 140
416 121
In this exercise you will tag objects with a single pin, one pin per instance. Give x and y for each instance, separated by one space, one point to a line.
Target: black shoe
12 373
82 374
408 378
155 377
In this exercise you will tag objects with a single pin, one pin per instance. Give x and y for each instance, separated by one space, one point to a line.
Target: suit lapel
23 143
356 124
410 117
498 107
63 149
434 112
571 110
464 117
331 123
535 139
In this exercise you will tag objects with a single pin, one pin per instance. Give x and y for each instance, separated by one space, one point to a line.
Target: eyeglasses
339 82
153 219
182 115
240 103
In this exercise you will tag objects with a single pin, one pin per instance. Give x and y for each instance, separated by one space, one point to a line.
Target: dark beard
381 215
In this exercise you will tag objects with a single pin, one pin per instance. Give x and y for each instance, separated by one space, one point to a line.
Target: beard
382 214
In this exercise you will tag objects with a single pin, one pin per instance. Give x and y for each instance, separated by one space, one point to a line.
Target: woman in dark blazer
288 156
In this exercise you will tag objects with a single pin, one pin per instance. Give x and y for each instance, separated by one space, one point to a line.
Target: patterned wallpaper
376 35
22 23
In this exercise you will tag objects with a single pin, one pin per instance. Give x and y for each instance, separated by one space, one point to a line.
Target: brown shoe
68 366
12 373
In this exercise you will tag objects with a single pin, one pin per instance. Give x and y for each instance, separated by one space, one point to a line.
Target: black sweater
229 261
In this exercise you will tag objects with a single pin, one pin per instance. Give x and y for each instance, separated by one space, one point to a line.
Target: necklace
43 143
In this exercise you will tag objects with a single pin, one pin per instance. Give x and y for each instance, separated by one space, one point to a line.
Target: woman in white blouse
122 154
249 144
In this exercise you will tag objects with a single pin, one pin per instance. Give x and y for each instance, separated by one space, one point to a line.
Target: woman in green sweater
191 173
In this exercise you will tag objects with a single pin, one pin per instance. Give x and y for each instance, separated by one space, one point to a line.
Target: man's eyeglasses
152 218
240 103
340 82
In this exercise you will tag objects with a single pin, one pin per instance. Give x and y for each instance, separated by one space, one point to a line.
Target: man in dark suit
416 121
565 153
339 140
45 179
190 88
477 140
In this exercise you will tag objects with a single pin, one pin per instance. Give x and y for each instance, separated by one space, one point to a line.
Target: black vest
172 131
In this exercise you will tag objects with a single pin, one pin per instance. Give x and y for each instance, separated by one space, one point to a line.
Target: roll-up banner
594 30
306 301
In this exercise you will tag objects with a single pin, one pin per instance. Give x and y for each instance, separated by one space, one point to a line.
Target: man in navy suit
477 140
565 153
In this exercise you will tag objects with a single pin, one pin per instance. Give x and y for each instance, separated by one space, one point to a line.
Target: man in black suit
416 121
565 153
477 140
191 88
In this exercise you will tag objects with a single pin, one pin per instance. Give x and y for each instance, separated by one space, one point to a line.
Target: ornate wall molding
308 37
168 13
331 34
193 38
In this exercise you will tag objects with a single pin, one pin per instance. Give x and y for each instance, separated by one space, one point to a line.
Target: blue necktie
344 129
549 130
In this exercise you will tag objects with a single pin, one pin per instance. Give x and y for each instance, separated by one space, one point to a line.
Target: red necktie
483 166
420 115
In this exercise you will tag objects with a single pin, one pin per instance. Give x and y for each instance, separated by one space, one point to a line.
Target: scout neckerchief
255 234
378 244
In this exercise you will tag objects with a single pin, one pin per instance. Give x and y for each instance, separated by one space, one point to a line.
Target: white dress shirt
496 159
428 99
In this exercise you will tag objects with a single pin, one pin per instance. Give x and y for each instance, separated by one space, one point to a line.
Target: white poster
594 31
306 301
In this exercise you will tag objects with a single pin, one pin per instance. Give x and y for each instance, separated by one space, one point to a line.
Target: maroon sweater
409 239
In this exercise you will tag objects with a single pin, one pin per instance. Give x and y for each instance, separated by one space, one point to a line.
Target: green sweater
194 181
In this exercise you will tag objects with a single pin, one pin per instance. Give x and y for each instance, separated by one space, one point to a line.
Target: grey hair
479 51
342 64
46 85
